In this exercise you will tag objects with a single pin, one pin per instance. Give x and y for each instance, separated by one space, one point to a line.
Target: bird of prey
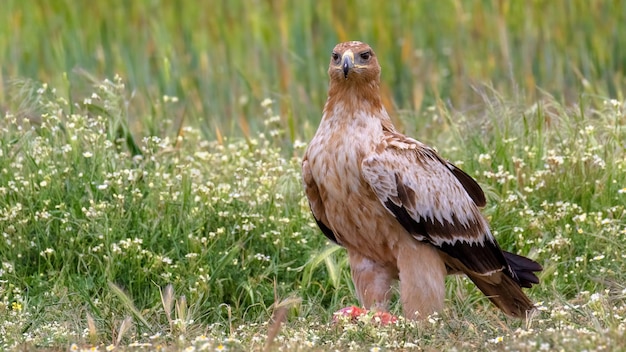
401 211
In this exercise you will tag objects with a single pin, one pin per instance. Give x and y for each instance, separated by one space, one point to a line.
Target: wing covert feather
435 202
315 202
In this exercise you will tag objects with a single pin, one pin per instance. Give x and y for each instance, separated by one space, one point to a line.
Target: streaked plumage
400 210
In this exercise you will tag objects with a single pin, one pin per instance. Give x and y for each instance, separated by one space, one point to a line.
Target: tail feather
523 268
504 289
506 295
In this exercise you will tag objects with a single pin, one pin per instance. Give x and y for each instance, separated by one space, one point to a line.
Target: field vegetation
150 194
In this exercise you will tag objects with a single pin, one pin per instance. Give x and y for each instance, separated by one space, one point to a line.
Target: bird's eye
335 57
366 55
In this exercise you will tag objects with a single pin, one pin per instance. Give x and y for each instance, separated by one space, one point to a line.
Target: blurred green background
222 58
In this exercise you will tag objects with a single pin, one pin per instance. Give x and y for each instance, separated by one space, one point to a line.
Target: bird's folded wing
436 203
315 202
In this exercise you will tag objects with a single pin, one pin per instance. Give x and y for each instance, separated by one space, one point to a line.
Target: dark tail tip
523 268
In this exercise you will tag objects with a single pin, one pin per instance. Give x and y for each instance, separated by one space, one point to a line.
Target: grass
221 59
161 208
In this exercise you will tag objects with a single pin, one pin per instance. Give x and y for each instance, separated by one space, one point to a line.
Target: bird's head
353 62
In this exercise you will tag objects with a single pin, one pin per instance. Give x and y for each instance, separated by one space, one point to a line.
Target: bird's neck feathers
350 98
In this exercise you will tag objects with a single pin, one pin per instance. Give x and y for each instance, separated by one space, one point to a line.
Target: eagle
402 212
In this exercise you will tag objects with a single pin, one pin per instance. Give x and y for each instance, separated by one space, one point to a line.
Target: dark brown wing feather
523 268
315 202
469 184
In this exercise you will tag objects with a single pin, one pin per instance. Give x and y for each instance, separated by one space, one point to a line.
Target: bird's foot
354 313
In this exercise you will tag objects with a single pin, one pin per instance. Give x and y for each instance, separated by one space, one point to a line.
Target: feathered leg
372 281
422 275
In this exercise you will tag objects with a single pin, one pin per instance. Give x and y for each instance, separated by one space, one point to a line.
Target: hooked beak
347 62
